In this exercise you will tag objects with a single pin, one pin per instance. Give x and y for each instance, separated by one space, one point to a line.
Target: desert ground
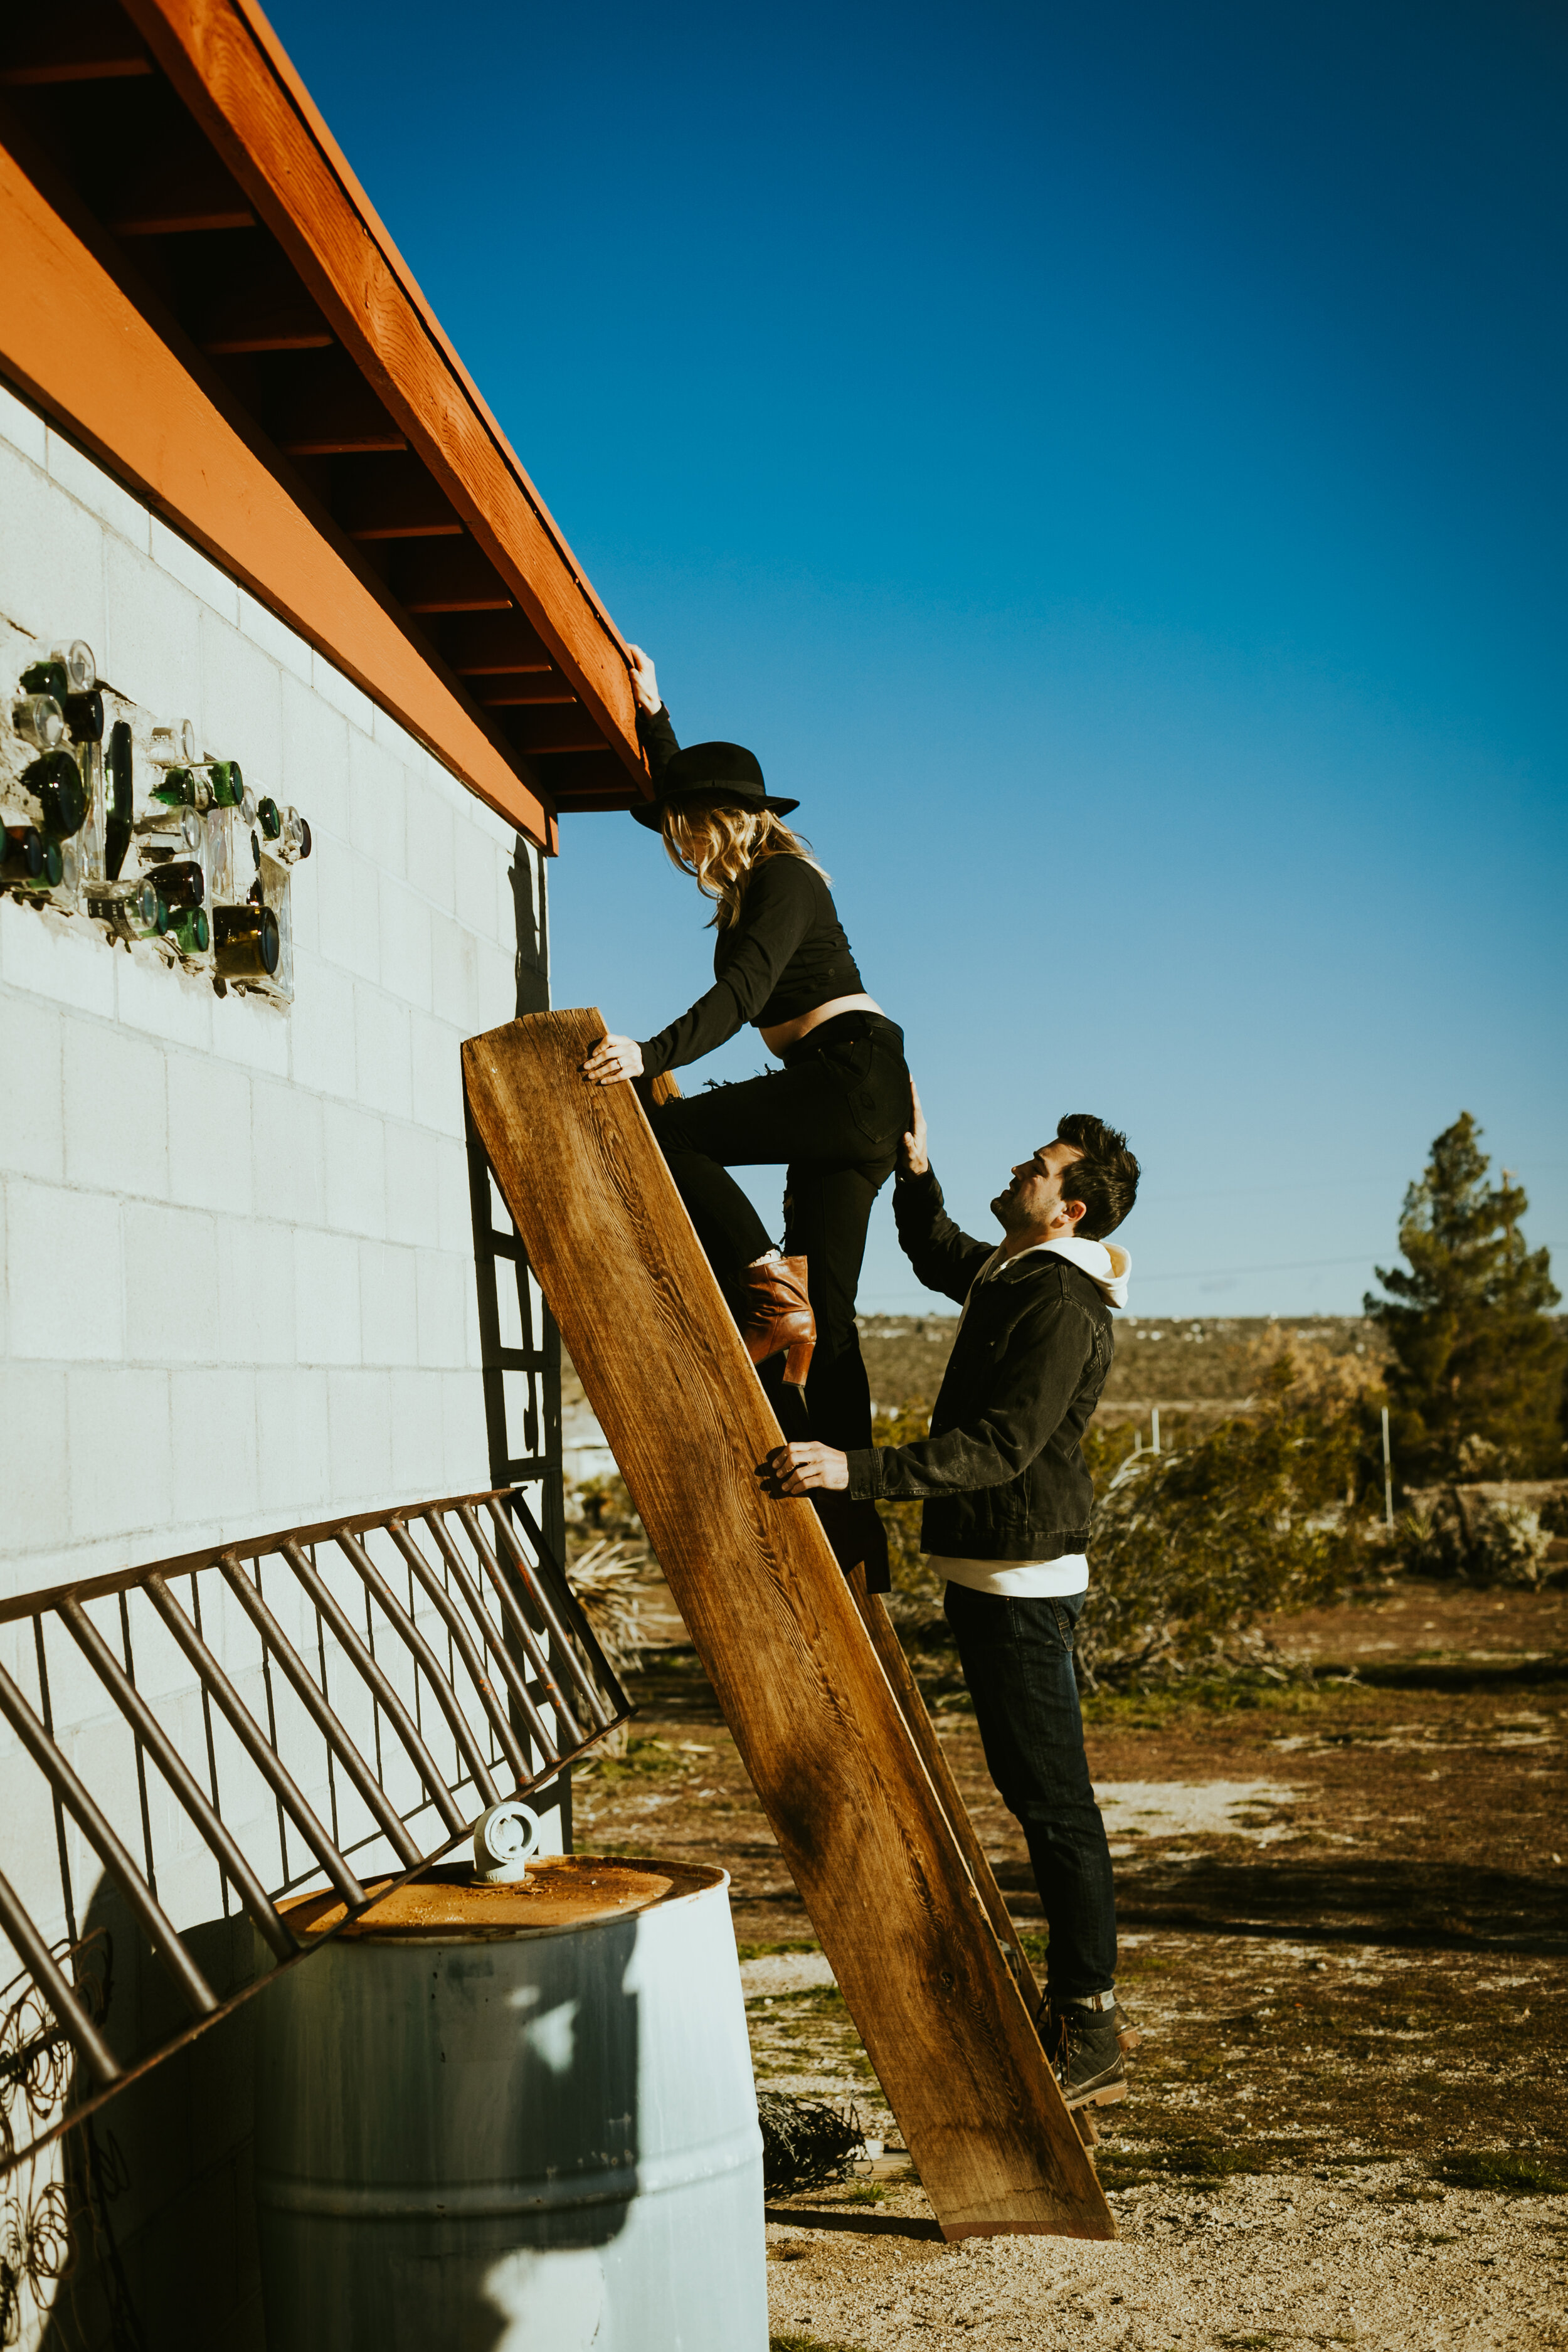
1343 1899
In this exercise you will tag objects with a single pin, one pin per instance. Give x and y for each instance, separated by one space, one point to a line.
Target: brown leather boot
775 1313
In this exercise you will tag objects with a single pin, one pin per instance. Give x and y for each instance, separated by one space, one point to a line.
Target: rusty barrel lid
561 1895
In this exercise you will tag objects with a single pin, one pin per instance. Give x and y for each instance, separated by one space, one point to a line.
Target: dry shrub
607 1578
1483 1538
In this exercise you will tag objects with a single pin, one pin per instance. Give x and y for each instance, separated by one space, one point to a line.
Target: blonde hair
718 846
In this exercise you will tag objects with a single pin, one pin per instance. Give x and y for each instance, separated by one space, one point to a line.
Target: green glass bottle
29 860
118 772
228 783
246 942
55 793
191 932
52 676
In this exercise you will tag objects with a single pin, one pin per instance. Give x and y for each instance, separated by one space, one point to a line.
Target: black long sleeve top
1001 1475
784 955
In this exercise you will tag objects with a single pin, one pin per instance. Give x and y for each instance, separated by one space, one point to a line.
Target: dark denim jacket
1001 1474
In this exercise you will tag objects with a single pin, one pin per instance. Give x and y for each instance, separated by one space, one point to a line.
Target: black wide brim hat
711 775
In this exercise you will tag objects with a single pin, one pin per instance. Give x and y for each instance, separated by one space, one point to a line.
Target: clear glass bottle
132 911
170 830
40 720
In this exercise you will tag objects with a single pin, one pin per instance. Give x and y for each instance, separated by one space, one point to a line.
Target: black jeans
1018 1662
834 1115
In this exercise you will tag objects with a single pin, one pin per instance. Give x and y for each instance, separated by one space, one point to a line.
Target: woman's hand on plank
612 1060
796 1469
645 685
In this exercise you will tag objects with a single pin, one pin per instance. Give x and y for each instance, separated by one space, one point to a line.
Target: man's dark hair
1105 1179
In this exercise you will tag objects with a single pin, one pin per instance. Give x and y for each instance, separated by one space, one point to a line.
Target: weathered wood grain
813 1714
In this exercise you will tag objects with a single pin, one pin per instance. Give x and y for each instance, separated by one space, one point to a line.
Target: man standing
1008 1497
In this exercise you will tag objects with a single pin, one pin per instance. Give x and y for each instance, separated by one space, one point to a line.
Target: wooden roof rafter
201 180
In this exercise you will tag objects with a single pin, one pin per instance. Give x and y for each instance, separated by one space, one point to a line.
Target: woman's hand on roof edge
913 1158
612 1060
645 685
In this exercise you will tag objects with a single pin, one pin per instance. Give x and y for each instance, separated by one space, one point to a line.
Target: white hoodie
1107 1263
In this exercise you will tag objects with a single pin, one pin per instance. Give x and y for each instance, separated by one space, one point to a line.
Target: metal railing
354 1693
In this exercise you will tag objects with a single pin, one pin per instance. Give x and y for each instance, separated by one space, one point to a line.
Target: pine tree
1477 1363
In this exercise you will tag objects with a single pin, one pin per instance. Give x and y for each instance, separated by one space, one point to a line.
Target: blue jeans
1018 1662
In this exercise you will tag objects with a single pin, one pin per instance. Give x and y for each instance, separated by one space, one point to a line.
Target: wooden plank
75 343
231 70
816 1719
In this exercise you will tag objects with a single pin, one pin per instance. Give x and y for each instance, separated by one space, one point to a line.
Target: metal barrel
515 2118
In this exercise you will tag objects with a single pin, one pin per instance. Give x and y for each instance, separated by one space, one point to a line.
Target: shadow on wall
527 877
162 2249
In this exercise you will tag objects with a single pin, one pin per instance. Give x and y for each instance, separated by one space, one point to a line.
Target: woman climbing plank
833 1114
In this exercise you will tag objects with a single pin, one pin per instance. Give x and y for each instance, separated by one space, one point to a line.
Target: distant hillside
1210 1366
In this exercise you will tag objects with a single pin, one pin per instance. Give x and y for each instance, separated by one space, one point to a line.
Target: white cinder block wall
238 1265
239 1281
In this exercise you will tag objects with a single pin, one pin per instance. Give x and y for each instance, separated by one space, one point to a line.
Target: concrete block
252 1031
122 1456
294 1465
418 1435
67 963
355 1158
388 1315
495 974
290 1181
116 1108
412 1186
477 906
162 999
340 691
23 427
37 1489
383 1064
321 1041
171 1284
153 634
430 837
437 1099
455 1222
72 471
211 1159
406 920
241 715
215 1446
32 1051
255 1292
315 758
51 556
378 809
445 1284
194 571
64 1275
359 1421
275 638
455 974
348 908
463 1424
327 1298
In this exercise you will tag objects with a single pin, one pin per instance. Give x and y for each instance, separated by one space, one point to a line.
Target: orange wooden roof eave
74 343
228 66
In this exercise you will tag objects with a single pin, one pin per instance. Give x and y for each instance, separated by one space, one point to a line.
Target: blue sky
1109 464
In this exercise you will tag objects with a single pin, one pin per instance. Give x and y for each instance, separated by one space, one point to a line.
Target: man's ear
1073 1210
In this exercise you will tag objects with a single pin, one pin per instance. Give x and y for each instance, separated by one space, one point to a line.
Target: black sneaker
1084 2047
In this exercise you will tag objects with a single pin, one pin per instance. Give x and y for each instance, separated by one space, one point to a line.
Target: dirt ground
1344 1911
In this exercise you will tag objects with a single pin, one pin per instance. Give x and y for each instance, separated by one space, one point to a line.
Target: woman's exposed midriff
790 1032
